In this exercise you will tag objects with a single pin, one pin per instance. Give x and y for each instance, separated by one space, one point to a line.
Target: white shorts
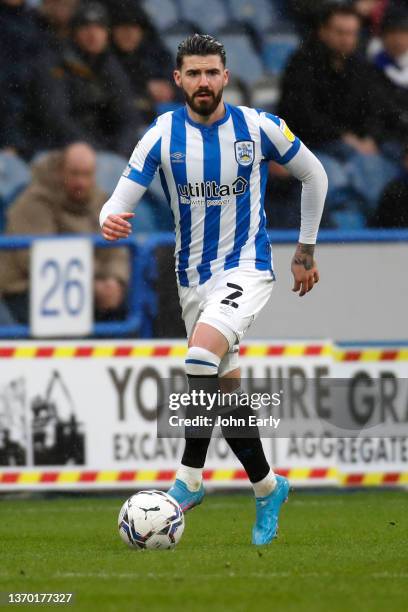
229 301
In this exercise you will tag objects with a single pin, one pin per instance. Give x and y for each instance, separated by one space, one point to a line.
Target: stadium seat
109 168
163 13
260 14
242 59
277 50
216 16
14 176
172 39
265 94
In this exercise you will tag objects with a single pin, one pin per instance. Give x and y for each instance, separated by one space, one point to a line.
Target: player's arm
118 210
307 168
280 145
115 213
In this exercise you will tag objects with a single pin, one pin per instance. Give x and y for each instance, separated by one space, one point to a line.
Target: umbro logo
178 157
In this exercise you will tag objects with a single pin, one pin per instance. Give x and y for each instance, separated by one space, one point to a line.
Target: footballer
213 163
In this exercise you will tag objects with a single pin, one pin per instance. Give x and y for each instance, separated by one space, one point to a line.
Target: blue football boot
267 512
186 499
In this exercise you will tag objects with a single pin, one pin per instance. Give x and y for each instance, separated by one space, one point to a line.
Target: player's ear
177 77
226 76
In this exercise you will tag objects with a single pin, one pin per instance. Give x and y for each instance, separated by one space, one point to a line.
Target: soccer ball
151 519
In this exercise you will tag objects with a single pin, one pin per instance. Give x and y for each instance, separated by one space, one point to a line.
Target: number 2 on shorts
229 299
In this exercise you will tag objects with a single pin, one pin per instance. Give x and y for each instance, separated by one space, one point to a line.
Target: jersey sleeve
146 157
278 143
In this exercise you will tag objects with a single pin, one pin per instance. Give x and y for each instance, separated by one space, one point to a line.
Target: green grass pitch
335 551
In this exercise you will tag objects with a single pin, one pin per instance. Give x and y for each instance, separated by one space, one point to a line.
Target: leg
248 450
216 317
270 491
206 347
225 316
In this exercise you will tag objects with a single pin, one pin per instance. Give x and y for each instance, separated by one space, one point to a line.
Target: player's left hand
304 269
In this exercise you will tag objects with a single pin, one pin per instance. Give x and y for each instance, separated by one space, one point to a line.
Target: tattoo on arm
304 255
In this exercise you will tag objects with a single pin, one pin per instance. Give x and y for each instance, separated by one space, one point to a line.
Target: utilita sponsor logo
210 189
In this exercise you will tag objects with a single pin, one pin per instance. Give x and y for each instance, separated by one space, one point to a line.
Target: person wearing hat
145 60
54 19
84 94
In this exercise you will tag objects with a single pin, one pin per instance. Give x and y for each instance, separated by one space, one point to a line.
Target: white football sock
191 476
264 487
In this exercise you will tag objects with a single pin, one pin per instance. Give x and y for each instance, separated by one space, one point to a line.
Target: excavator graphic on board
56 440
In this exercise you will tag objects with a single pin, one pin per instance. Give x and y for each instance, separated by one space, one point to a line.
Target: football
151 520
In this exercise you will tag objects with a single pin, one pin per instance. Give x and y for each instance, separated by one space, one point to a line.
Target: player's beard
204 107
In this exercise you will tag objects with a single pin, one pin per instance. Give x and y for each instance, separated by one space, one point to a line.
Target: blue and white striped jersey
214 178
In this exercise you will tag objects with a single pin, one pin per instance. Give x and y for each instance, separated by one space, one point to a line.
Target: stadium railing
142 293
130 325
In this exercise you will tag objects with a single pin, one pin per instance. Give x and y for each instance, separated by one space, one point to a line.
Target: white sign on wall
79 414
61 297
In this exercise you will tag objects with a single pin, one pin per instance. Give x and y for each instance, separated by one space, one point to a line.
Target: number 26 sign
61 287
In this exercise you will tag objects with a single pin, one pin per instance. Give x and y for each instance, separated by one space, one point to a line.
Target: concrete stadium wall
362 295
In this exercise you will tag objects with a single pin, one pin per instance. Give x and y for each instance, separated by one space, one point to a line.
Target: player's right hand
116 226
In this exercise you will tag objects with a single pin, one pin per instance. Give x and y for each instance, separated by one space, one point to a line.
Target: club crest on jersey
244 152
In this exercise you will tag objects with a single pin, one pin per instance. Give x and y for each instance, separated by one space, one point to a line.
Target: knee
201 362
229 362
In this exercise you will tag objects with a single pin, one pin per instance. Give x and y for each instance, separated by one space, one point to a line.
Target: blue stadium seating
277 50
109 168
242 59
163 13
260 14
14 173
216 14
173 40
14 176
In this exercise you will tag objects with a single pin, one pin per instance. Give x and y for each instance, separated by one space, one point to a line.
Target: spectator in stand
62 199
392 64
54 18
145 60
332 99
84 94
392 211
305 13
370 12
19 48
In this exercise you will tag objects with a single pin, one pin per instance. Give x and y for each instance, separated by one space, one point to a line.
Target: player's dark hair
200 44
336 8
